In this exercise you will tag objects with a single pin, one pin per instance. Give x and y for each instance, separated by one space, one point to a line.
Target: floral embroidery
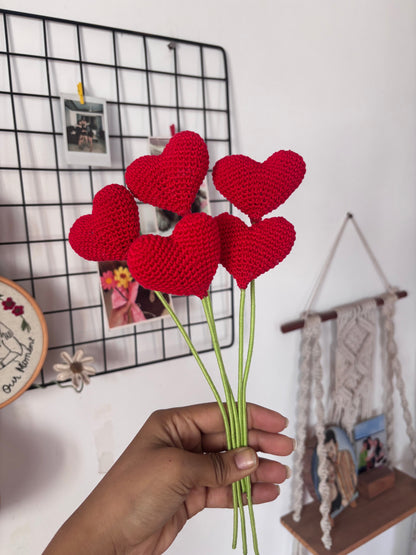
8 304
17 310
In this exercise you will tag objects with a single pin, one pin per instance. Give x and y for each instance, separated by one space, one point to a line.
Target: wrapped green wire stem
235 417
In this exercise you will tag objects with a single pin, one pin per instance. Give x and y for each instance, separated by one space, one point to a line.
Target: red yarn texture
182 264
107 233
172 179
257 188
249 251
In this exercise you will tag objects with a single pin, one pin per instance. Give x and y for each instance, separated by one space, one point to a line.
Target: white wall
335 81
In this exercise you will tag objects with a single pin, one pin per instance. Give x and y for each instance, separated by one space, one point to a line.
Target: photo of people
85 131
370 443
165 219
125 301
342 469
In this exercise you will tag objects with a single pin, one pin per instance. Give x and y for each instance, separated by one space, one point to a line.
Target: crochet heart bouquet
185 262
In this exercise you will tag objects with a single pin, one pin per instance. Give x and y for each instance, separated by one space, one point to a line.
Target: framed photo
370 443
23 341
165 219
85 131
342 469
127 303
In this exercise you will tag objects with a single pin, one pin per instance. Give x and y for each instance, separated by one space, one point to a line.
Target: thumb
222 469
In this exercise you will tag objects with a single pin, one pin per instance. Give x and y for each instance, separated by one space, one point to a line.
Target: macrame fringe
311 371
395 371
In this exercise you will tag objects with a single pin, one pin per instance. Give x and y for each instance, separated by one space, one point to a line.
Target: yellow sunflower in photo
122 277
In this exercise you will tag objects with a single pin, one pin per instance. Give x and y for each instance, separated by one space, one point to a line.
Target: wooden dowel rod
329 315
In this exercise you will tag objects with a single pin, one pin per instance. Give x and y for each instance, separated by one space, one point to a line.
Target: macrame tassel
311 368
310 334
394 370
323 470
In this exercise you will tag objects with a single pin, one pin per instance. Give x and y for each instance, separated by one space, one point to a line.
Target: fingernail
295 443
288 472
278 489
245 458
286 423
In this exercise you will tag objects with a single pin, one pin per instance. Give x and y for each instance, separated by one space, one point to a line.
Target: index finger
207 417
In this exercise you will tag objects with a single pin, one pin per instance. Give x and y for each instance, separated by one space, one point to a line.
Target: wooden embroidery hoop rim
42 322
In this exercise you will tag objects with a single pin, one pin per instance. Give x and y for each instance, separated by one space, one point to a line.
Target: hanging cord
371 255
325 268
327 264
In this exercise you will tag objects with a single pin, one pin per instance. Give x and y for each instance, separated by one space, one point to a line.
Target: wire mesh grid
149 83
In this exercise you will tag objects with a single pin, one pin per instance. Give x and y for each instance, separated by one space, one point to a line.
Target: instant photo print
85 131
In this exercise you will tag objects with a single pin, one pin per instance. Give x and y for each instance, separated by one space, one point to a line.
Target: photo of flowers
126 302
165 219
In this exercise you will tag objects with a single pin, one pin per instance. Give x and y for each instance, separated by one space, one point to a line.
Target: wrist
83 535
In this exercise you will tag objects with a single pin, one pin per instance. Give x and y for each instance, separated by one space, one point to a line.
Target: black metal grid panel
149 82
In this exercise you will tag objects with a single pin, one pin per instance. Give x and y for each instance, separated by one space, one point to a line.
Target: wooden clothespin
81 93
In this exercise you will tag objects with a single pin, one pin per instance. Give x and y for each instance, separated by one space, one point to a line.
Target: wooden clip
81 93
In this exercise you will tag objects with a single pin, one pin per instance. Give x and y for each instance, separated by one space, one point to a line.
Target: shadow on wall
26 459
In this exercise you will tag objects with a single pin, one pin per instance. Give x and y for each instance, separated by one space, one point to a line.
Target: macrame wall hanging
351 379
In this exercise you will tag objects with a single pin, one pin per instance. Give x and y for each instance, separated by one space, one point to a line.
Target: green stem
249 354
242 516
217 397
252 519
200 364
244 407
240 400
232 409
240 362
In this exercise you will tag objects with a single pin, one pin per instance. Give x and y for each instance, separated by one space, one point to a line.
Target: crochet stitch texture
107 233
172 179
257 188
249 251
182 264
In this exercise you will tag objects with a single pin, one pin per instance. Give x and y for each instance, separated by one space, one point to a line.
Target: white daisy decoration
76 368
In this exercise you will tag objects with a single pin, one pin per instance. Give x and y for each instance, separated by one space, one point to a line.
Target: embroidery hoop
37 320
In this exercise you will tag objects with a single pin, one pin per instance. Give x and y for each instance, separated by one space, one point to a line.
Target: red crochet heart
257 188
247 252
107 233
182 264
172 179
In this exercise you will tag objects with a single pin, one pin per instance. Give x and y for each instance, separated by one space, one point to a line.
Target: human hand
174 468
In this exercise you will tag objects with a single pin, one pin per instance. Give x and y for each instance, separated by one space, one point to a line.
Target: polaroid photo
86 139
165 220
125 302
370 443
